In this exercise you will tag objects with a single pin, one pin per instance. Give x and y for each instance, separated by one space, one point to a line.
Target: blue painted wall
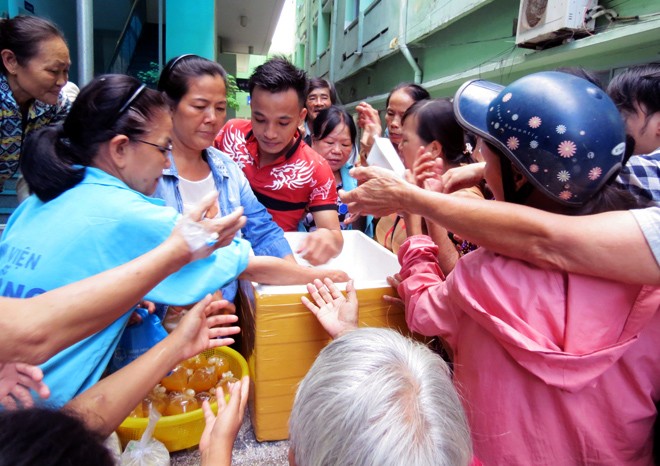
190 28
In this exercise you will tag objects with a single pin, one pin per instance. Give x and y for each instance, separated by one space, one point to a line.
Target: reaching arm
107 403
609 245
44 325
447 253
275 271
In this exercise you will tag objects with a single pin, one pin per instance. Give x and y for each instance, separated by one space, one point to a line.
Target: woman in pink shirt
554 368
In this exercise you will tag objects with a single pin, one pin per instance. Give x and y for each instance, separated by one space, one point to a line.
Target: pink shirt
554 368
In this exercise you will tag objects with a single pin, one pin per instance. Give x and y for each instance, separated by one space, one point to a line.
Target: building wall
190 28
109 19
453 41
62 13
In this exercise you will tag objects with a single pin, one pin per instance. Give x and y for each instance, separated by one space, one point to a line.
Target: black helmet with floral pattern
562 132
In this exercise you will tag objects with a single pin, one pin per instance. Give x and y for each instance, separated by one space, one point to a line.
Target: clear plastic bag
147 451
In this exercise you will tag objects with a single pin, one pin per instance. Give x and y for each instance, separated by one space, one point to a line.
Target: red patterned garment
301 179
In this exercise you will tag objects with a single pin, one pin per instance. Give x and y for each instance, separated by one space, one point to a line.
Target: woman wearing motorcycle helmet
554 367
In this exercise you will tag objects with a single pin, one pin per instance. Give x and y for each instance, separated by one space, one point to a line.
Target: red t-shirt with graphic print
298 180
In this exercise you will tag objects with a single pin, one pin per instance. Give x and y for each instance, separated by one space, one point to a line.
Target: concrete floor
247 451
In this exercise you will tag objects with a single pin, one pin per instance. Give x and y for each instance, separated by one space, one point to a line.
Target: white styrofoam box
383 154
363 259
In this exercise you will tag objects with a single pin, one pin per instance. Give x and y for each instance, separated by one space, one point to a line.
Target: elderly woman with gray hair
374 397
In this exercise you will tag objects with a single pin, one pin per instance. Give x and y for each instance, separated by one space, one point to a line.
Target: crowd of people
527 226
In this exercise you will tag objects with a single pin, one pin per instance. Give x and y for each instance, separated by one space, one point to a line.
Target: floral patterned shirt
12 131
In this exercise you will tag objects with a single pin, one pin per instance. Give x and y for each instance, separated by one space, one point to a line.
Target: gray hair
375 397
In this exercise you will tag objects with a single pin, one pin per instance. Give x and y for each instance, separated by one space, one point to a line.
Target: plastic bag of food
113 444
147 451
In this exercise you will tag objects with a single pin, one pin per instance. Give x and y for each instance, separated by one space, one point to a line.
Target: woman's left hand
200 329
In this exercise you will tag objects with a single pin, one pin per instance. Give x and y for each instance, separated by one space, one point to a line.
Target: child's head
558 139
636 93
431 124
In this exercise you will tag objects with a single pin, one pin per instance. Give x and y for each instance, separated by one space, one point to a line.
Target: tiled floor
247 451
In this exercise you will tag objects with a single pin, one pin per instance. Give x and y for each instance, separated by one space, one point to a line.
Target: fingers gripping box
281 337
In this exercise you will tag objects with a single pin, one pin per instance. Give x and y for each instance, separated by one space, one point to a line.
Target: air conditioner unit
543 21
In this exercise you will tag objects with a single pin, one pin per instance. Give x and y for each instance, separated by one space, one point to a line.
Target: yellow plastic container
281 337
182 430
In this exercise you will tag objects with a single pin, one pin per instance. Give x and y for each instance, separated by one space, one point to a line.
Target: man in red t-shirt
286 175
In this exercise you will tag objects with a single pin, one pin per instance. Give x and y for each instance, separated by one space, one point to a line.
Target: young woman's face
43 76
200 113
410 141
336 147
145 162
399 102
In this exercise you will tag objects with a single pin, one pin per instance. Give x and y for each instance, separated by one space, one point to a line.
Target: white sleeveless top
193 191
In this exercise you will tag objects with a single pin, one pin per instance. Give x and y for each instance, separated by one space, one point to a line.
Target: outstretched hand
204 214
16 381
380 192
200 329
220 431
336 313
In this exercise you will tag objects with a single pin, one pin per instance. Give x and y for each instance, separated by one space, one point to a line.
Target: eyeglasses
130 100
165 150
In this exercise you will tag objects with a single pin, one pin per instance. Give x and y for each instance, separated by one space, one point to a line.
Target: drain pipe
333 40
358 51
85 29
310 53
403 46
